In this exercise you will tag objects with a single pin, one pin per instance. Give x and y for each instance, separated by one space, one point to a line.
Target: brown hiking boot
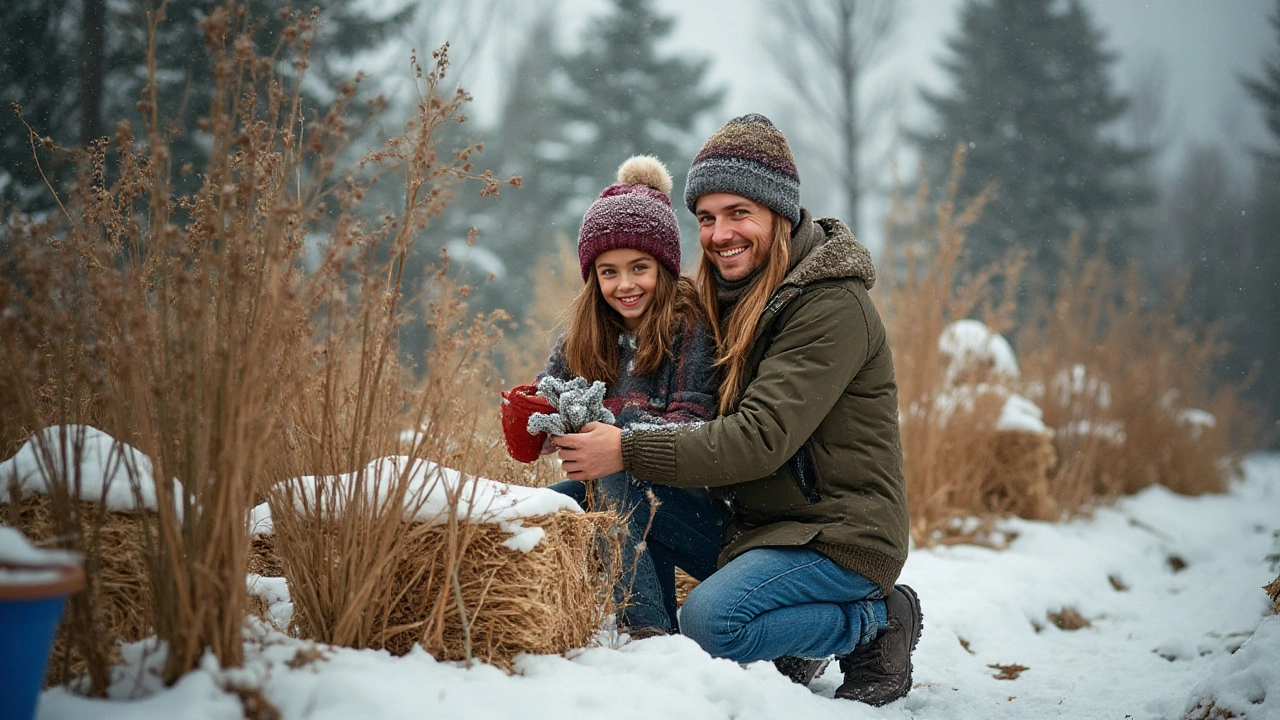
880 671
800 670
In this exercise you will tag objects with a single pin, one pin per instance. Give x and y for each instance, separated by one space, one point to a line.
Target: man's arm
813 358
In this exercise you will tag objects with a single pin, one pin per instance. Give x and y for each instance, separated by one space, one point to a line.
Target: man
806 453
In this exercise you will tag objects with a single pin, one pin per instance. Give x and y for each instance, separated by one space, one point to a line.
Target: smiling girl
637 326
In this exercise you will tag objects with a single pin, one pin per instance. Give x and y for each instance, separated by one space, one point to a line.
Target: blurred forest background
1031 88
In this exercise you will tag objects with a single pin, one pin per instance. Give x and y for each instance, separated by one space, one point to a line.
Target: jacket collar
825 249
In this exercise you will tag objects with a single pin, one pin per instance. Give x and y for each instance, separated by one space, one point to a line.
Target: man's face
736 233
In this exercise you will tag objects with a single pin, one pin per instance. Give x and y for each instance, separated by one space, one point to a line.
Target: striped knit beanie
634 213
747 157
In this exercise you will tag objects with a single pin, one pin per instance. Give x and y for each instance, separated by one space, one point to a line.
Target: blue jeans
685 531
775 601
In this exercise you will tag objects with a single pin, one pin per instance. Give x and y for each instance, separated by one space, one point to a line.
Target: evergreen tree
616 97
1032 102
1264 285
79 67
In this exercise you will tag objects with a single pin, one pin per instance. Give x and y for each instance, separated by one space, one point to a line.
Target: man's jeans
766 603
685 532
775 601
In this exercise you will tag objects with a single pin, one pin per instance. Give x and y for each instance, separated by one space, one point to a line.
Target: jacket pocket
805 473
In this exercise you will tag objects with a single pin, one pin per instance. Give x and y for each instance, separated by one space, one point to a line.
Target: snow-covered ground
1171 587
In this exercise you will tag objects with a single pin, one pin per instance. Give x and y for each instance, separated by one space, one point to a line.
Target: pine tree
1264 285
79 67
618 96
1032 103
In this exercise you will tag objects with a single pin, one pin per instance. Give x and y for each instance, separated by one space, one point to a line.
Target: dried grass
1116 376
947 445
1120 383
187 327
116 601
262 557
1273 591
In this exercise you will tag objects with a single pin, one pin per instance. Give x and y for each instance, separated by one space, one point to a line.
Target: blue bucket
29 615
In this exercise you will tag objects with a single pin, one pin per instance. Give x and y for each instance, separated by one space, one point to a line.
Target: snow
16 549
1017 413
431 491
483 260
1021 415
106 471
1160 641
969 342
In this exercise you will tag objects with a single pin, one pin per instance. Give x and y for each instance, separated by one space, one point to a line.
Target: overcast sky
1204 46
1204 43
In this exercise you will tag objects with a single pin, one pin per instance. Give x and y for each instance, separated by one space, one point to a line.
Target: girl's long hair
733 334
591 339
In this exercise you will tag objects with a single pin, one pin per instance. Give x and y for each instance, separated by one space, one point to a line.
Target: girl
636 326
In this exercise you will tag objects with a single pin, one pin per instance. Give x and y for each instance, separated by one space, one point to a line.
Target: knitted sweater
683 390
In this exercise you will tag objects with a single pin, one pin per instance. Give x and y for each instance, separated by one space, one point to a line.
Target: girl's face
627 280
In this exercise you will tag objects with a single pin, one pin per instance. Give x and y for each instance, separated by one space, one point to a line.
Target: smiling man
806 455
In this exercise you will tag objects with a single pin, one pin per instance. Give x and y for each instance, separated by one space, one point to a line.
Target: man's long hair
591 339
733 334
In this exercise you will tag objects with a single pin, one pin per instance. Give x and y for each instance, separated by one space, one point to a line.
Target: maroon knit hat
634 213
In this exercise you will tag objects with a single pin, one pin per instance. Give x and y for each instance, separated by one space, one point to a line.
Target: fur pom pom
645 170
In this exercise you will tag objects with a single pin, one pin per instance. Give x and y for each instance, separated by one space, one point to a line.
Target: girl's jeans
685 532
766 603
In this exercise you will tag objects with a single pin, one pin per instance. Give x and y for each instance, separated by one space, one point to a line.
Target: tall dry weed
1123 383
524 353
947 445
188 327
1126 385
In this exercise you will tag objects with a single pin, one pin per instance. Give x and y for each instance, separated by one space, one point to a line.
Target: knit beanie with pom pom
633 213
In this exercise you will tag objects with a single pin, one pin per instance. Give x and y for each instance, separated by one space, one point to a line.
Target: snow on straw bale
99 468
431 491
973 351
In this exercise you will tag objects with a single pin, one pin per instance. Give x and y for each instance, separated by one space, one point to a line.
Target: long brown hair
591 340
733 335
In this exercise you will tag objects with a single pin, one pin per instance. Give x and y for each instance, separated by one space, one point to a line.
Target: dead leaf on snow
1068 618
1008 672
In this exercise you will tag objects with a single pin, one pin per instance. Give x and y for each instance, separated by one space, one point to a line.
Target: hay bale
117 593
684 583
548 600
1019 479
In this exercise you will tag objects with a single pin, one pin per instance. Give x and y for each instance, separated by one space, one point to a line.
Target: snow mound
97 467
969 344
1241 681
1017 413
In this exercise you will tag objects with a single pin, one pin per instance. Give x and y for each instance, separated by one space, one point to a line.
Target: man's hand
591 454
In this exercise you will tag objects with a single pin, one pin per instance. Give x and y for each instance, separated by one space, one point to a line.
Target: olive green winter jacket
812 456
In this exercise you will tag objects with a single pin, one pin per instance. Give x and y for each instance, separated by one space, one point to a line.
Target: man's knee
706 618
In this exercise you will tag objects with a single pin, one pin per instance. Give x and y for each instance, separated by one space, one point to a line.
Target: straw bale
684 583
262 557
1019 480
118 588
548 600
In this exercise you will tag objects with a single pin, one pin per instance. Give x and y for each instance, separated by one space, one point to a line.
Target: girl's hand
591 454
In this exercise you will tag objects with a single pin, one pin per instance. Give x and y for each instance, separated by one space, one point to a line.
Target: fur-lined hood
828 251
